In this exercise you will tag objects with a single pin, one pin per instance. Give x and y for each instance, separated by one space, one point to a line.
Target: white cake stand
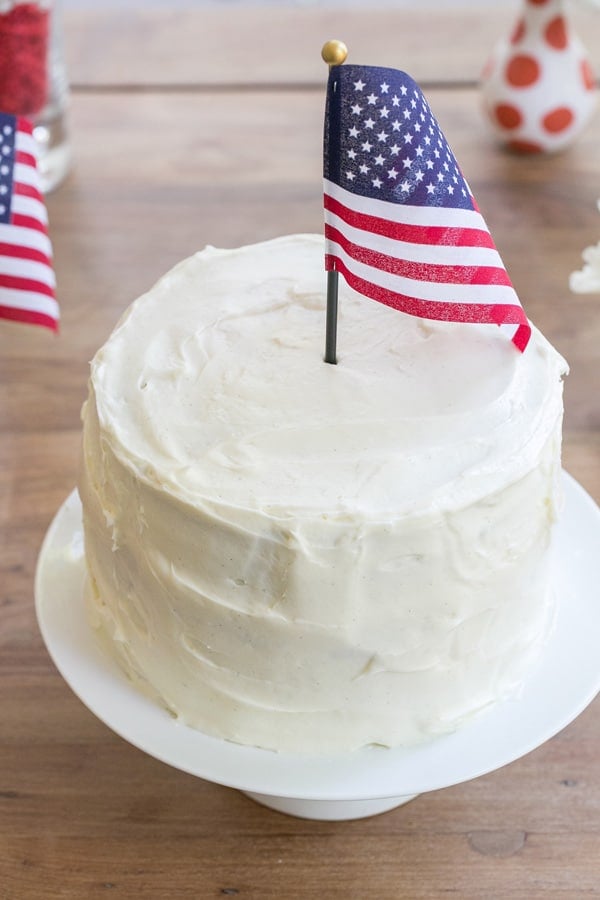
356 784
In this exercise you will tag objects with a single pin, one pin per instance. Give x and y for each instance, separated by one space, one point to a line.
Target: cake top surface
213 385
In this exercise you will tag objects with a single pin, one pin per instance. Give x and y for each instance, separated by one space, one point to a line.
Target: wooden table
188 129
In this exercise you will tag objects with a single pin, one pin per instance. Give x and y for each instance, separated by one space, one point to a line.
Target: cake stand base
329 810
355 784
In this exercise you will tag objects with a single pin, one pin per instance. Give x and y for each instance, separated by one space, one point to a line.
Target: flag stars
394 149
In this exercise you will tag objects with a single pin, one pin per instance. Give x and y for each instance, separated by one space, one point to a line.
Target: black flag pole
333 53
331 318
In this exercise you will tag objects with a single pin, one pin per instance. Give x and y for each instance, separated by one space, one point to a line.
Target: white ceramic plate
564 683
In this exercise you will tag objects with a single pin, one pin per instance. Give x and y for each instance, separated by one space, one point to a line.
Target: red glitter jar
23 58
33 82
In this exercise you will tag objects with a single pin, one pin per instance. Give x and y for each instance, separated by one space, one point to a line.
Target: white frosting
587 279
312 557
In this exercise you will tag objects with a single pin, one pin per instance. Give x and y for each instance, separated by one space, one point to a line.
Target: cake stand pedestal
352 785
329 810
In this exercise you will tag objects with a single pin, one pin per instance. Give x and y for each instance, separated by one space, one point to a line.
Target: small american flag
27 285
401 224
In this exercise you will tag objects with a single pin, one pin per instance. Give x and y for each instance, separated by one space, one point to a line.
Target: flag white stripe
435 254
488 294
25 237
27 268
26 143
30 301
29 175
29 206
404 213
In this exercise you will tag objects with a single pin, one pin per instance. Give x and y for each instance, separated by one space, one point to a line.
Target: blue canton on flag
401 223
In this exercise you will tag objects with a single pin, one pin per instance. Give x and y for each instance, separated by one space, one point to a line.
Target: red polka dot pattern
589 81
539 89
558 119
525 147
519 32
522 70
508 116
556 33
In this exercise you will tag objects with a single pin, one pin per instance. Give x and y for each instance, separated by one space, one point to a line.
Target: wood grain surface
186 132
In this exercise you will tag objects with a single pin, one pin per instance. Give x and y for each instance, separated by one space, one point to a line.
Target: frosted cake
308 557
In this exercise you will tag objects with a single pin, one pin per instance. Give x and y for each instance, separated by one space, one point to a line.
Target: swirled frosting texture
310 557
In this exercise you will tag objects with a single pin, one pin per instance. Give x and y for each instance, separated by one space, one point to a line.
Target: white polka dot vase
538 87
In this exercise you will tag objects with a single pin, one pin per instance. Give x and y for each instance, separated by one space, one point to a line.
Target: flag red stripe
419 271
29 316
27 190
26 284
24 125
16 250
29 222
497 314
27 159
412 234
521 336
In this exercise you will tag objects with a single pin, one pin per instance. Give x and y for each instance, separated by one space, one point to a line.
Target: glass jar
33 81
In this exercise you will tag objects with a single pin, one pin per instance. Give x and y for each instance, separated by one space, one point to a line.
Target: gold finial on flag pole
333 53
